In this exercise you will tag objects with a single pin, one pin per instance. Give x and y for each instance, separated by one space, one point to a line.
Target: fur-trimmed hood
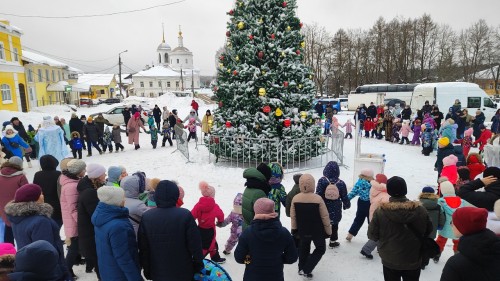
427 195
7 263
400 210
474 158
17 211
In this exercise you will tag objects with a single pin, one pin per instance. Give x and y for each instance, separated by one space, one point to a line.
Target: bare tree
317 41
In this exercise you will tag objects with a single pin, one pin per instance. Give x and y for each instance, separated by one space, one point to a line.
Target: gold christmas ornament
229 71
300 86
278 112
310 77
283 54
221 65
302 44
241 25
303 114
261 21
262 92
263 72
288 28
237 58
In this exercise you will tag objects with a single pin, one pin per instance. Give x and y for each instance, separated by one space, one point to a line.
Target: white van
444 95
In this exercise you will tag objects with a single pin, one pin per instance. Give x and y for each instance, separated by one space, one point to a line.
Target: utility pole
182 81
120 71
192 81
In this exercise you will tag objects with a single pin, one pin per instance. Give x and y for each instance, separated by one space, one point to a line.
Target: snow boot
137 147
333 244
368 256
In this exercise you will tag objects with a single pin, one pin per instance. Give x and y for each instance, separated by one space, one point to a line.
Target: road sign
68 88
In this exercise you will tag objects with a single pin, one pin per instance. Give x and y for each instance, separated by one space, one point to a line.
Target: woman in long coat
206 123
133 129
388 117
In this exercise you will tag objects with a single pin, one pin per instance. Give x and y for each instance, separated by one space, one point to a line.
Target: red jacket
206 211
369 125
475 165
483 139
194 105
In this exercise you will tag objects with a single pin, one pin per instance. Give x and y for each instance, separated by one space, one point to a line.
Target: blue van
334 102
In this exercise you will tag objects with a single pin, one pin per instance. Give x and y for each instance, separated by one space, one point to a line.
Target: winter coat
405 130
11 179
479 199
256 187
264 247
450 204
192 115
449 131
133 130
206 211
389 229
319 109
309 214
277 193
371 111
378 195
441 154
107 138
475 165
21 131
157 114
51 141
477 122
135 206
154 134
8 141
169 241
76 143
289 197
416 134
31 222
47 180
348 127
116 244
406 114
438 117
76 125
236 221
165 114
69 201
100 122
87 202
495 125
483 139
493 223
206 123
116 134
436 212
361 188
91 132
478 258
451 173
368 125
331 174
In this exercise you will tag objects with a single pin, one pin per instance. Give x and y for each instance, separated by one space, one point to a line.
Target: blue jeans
362 213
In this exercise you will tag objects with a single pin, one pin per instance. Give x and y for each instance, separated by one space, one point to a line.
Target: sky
93 44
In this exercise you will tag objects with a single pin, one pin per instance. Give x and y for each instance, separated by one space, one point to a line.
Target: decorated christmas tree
264 89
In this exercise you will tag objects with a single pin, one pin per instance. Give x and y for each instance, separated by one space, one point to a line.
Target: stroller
212 272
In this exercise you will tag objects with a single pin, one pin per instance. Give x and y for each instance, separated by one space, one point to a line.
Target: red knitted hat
28 193
381 178
469 220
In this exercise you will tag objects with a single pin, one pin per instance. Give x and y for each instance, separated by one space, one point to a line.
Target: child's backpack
212 272
331 191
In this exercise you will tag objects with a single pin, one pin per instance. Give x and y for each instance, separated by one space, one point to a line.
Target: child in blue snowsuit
328 123
361 188
331 174
278 192
107 140
154 135
427 140
76 145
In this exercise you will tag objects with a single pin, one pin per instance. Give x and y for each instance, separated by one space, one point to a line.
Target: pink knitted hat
263 206
206 189
7 249
450 160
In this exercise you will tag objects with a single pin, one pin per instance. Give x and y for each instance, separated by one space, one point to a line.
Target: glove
219 224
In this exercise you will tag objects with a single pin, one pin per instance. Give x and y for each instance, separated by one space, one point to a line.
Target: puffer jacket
378 195
361 188
116 134
389 229
475 165
47 180
331 174
256 187
14 139
436 212
450 204
277 193
91 132
309 214
11 178
295 190
479 199
69 202
206 211
135 206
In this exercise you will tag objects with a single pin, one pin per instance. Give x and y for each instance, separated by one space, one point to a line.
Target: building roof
11 28
158 71
163 46
181 49
96 79
125 80
487 74
36 58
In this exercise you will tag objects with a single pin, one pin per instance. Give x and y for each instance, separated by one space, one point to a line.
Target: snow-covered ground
342 263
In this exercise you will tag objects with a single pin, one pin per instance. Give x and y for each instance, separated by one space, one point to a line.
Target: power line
67 59
95 15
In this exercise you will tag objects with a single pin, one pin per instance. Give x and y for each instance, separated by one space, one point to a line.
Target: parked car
334 102
87 102
110 101
113 115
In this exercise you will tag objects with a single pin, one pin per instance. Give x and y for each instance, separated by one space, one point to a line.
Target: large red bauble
220 104
287 123
297 52
231 12
228 124
273 36
235 72
228 33
285 84
260 55
284 4
266 109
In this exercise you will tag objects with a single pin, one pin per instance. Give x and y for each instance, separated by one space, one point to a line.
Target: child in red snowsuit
467 141
483 138
206 211
368 125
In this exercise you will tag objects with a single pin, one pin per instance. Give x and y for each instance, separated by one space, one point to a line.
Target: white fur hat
447 188
111 195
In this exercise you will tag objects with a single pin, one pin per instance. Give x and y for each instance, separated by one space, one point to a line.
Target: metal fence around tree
293 154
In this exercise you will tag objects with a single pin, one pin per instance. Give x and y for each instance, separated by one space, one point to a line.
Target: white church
174 72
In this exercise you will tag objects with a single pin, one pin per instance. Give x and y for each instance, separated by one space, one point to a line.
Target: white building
175 72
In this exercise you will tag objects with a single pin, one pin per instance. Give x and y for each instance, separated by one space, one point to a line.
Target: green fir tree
265 91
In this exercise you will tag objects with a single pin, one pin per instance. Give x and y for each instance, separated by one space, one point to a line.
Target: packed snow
342 263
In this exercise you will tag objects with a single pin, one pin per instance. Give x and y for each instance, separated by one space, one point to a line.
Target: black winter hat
265 170
492 171
464 173
396 187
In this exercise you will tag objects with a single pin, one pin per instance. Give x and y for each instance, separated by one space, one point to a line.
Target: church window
177 60
151 84
168 84
159 58
142 84
177 84
159 84
166 58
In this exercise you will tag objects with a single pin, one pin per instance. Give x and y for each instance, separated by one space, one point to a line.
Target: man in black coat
169 240
47 179
172 120
427 108
157 116
391 227
406 113
438 116
91 135
491 194
19 127
478 256
371 111
319 108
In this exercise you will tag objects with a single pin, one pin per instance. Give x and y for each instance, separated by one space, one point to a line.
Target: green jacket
289 197
250 195
436 213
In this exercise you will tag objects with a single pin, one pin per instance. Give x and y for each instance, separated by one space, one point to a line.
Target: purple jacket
348 127
236 221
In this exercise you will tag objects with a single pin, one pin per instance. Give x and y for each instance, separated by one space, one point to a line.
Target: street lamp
120 71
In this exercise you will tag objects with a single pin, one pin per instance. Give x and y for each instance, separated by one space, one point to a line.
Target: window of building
498 86
170 61
30 75
59 75
168 84
31 92
186 60
14 54
142 84
159 84
177 84
40 77
6 95
2 52
490 87
47 77
150 84
53 75
177 60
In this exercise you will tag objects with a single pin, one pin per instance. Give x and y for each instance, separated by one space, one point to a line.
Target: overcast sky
93 44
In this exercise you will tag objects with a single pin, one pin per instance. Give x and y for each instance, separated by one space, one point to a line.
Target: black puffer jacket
76 125
398 246
87 202
478 258
479 199
47 180
91 132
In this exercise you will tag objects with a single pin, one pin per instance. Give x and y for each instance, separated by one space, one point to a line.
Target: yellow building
101 85
44 76
485 80
12 78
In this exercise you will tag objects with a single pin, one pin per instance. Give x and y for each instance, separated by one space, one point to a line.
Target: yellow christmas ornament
261 21
283 54
300 86
288 28
302 44
303 114
310 77
263 72
221 65
229 71
278 112
237 58
241 4
241 25
262 92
